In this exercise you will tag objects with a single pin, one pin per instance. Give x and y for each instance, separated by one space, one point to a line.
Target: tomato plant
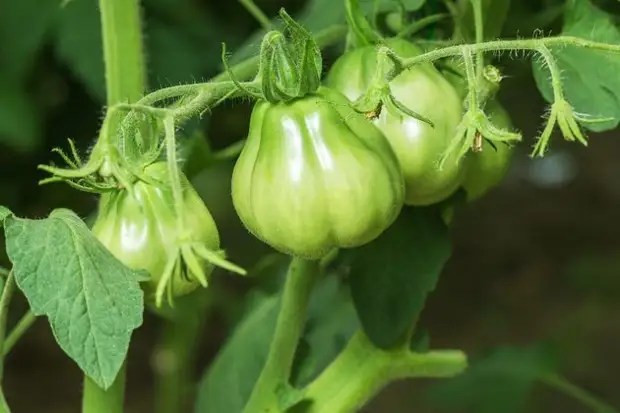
346 180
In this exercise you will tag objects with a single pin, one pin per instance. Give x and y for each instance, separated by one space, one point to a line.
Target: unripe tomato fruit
417 144
487 168
141 230
315 175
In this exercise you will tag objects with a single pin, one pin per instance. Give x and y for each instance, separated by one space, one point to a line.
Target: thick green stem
125 82
97 400
301 277
362 370
122 50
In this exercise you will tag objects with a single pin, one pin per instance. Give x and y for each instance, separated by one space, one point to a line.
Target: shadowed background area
536 262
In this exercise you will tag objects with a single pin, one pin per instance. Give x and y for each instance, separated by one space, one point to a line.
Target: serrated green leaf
24 25
93 302
4 212
79 44
227 383
506 374
20 123
391 276
590 78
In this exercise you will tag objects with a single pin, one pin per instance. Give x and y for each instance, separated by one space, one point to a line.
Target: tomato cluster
316 175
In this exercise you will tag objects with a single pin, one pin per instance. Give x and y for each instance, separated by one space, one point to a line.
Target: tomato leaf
24 25
79 45
93 302
590 78
4 212
506 374
391 276
227 383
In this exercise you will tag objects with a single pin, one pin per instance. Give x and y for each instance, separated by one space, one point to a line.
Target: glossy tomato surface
315 175
417 144
141 230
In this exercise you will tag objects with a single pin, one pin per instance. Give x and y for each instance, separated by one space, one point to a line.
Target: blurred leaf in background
502 381
590 77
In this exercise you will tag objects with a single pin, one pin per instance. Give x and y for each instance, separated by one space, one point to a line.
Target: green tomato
141 229
418 145
487 168
315 175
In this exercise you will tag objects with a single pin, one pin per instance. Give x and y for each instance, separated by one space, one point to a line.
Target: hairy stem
503 45
97 400
554 71
122 50
362 370
125 82
300 280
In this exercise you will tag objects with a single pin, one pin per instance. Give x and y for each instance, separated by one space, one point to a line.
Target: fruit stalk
125 82
300 279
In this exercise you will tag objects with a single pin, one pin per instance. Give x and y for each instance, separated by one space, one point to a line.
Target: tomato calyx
379 94
474 127
290 64
110 165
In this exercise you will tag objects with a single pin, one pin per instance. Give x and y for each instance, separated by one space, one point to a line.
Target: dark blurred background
535 261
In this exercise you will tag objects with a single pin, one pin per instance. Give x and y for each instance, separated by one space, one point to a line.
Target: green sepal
290 62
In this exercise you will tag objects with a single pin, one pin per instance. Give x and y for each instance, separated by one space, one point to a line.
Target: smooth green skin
141 231
418 145
487 168
315 175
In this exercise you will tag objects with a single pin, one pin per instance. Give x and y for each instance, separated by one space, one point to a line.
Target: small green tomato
141 230
417 144
315 175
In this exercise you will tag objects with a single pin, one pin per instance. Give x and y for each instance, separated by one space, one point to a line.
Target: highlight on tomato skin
314 175
141 229
418 145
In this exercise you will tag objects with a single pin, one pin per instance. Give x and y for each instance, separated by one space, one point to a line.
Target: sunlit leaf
93 302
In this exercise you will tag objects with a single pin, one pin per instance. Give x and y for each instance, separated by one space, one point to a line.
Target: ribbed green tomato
418 146
487 168
315 175
141 230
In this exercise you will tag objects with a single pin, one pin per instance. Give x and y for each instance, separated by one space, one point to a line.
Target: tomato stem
97 400
18 331
5 300
300 280
362 370
125 83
